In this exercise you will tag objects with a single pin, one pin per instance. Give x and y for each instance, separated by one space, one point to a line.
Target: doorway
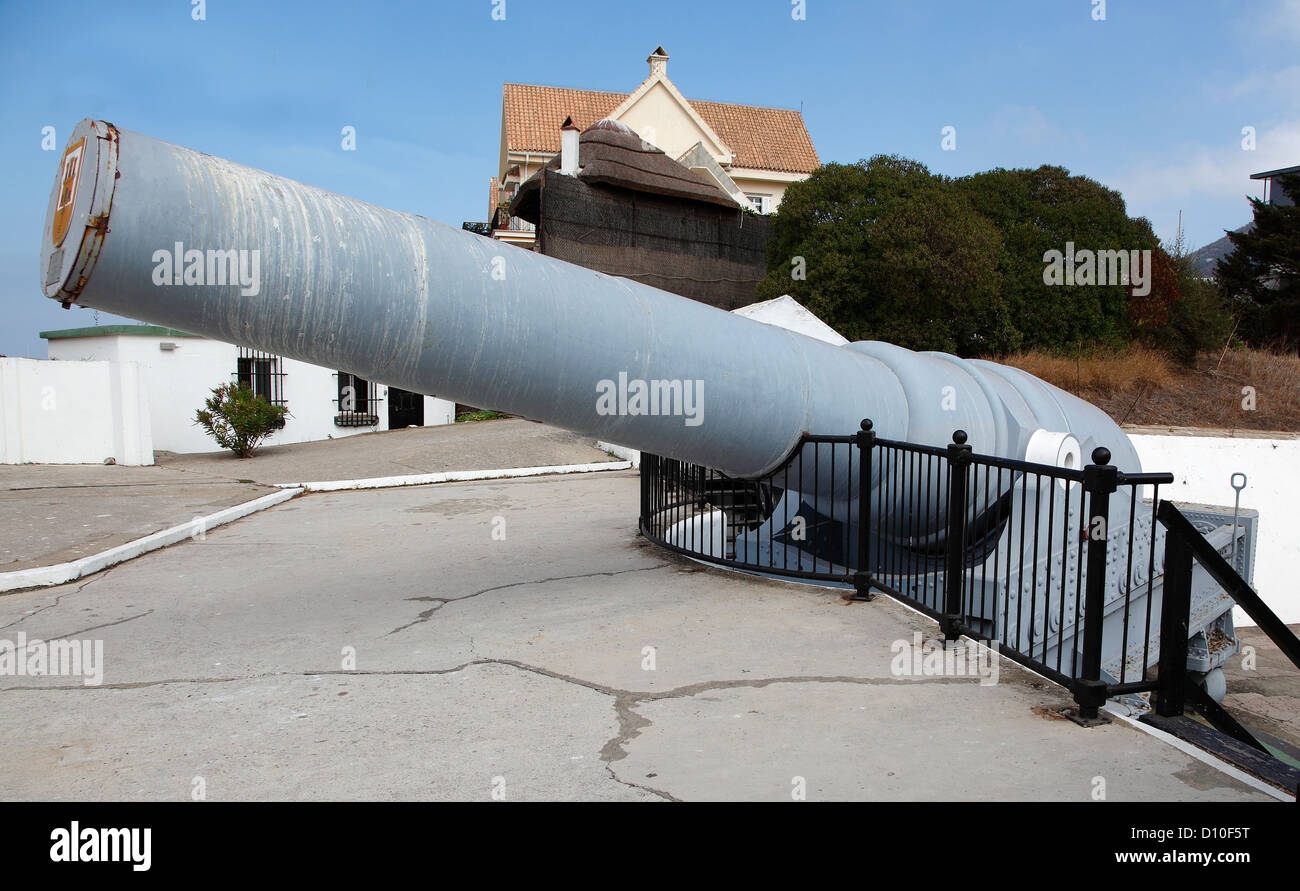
405 409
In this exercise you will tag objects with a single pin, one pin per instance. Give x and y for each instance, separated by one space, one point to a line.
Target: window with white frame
760 203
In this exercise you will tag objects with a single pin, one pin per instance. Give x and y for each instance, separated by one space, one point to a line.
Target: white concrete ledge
627 454
61 573
454 476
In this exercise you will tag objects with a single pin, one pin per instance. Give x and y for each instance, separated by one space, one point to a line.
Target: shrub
885 250
464 417
1042 209
238 419
1200 322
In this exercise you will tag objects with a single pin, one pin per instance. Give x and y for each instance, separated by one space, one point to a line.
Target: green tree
1262 273
1197 320
885 250
1042 210
238 419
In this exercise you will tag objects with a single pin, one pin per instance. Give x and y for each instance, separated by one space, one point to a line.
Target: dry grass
1102 375
1274 374
1141 386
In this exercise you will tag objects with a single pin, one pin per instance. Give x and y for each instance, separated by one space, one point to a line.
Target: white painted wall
437 412
73 413
659 118
1202 466
178 381
761 182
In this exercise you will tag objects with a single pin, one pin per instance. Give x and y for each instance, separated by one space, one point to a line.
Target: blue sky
1150 101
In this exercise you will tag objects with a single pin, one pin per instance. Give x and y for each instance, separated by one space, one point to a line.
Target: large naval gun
153 231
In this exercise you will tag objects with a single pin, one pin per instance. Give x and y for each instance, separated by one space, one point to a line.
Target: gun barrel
171 236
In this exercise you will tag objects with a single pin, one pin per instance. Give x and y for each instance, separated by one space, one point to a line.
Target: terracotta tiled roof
761 138
533 114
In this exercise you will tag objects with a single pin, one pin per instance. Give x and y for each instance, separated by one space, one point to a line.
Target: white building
177 372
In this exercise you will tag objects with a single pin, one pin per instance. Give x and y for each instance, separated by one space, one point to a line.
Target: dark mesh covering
634 212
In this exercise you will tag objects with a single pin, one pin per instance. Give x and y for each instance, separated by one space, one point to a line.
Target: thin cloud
1289 19
1278 20
1282 86
1027 124
1216 172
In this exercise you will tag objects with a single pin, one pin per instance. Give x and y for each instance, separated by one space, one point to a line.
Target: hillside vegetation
1142 386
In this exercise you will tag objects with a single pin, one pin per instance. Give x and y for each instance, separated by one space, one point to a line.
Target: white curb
454 476
59 573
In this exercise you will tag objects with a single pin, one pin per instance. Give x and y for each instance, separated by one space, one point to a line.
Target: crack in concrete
84 487
40 610
443 601
164 682
630 723
72 634
424 616
57 600
666 796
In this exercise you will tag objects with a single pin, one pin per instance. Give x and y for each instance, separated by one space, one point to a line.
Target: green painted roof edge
110 330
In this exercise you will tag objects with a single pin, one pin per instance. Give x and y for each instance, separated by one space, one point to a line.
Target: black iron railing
1183 545
263 373
1000 550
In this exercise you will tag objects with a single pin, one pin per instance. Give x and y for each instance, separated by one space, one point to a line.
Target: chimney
658 62
568 148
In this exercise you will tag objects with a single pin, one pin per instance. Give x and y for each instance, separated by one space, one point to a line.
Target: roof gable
757 137
658 99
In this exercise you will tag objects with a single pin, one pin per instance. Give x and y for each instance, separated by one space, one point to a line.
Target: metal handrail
942 582
1231 581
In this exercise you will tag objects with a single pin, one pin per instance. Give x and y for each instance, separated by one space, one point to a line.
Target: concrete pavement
518 638
51 513
1264 691
479 445
56 513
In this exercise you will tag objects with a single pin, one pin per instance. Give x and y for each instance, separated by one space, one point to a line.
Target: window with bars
263 374
358 401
